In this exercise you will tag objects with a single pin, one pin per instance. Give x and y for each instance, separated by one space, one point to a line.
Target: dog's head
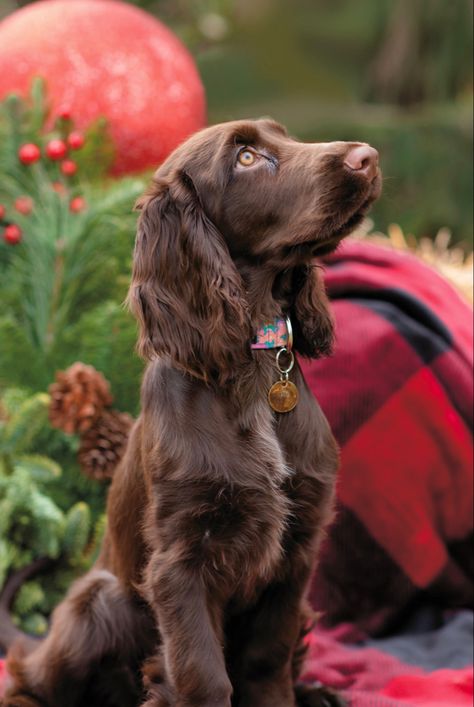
242 195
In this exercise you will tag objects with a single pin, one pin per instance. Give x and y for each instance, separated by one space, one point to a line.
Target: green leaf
25 424
35 624
7 510
7 554
76 532
13 399
19 363
29 598
39 467
39 106
98 537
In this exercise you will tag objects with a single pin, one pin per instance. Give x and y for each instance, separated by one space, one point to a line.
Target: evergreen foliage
69 262
32 524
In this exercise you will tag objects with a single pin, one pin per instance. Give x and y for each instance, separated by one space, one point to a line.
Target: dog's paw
318 696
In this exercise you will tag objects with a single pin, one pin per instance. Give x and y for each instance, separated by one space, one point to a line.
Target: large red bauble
107 58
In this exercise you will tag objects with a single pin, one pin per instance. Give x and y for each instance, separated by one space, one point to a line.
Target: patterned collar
274 335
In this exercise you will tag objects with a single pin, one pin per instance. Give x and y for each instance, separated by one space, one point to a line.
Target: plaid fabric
398 395
369 677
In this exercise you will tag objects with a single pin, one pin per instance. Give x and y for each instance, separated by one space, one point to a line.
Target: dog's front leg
264 676
190 623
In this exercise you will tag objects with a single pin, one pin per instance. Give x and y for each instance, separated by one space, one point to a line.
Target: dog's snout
363 159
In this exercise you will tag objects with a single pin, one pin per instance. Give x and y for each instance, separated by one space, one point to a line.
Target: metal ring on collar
291 363
289 329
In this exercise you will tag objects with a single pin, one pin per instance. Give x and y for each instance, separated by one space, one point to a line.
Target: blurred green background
395 73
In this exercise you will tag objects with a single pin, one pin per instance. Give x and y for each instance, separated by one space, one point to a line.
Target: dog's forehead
207 146
250 131
238 132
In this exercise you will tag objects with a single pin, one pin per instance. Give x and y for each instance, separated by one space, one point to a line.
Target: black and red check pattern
398 395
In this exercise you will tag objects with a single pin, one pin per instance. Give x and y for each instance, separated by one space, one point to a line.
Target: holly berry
68 167
24 205
64 113
56 149
58 187
3 211
29 153
77 204
12 234
76 140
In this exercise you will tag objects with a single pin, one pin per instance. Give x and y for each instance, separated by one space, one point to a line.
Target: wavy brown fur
219 505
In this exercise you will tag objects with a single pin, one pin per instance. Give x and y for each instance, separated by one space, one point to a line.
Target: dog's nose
363 159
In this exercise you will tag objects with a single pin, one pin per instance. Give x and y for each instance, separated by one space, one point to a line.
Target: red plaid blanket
369 677
398 395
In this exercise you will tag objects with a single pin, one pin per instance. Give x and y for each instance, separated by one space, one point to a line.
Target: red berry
29 153
68 167
24 204
76 140
58 187
77 204
56 149
64 113
12 234
2 211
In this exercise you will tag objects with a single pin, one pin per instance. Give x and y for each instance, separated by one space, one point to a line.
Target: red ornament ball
24 205
107 58
29 153
76 140
12 234
77 204
68 167
56 149
3 211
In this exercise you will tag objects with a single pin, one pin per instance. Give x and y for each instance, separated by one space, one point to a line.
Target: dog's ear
186 292
311 316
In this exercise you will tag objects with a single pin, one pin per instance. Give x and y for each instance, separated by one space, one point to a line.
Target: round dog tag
283 396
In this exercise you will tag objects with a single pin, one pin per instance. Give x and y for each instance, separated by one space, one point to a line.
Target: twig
8 631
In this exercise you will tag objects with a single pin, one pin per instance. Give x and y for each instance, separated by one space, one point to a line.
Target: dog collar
276 334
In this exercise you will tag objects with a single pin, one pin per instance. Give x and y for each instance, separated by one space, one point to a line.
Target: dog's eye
246 157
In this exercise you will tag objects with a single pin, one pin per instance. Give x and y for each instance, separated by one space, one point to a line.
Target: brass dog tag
283 396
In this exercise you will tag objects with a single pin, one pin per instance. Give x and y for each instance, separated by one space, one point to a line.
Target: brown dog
217 510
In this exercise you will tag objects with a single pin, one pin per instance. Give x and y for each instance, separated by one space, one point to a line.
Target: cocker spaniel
216 512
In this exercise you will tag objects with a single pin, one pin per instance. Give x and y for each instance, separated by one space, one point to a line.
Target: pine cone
103 445
78 398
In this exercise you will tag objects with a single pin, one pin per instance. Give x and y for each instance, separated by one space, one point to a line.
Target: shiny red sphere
59 188
29 153
68 168
76 140
24 205
12 234
56 149
77 204
107 58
